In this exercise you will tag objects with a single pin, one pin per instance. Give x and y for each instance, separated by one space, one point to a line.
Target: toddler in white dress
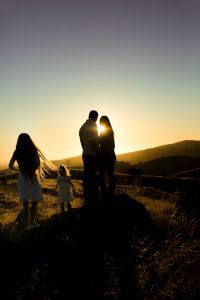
65 188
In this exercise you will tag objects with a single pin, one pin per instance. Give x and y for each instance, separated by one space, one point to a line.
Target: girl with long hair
32 166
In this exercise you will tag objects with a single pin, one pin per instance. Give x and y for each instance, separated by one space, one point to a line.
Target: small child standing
65 188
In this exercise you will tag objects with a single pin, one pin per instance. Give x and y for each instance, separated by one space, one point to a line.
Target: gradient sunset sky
138 62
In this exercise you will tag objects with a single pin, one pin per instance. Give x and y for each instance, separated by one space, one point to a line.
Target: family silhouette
98 160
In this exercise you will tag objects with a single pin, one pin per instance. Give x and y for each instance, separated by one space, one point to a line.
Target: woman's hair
104 120
64 170
29 157
107 141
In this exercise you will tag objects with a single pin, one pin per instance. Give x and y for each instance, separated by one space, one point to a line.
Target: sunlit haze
100 128
138 62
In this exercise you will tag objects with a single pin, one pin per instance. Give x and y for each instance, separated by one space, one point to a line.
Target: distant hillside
183 148
189 173
75 162
168 165
5 171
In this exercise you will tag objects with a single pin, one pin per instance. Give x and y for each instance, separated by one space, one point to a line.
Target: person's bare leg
26 212
33 211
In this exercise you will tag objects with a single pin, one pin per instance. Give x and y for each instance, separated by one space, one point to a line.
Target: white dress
29 188
65 192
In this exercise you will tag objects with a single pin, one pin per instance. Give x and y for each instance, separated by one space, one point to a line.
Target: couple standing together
98 157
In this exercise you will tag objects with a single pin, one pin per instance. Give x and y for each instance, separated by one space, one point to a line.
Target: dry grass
168 267
168 264
10 207
172 271
9 204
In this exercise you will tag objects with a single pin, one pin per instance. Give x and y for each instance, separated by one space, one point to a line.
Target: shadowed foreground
88 254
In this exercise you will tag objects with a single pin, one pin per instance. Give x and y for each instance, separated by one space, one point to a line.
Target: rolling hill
189 173
184 148
164 166
74 162
188 152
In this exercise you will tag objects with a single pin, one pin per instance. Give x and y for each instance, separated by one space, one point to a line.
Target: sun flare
101 128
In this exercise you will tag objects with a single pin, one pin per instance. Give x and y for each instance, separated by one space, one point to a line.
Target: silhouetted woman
107 156
31 165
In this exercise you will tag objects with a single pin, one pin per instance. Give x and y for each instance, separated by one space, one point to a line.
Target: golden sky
137 63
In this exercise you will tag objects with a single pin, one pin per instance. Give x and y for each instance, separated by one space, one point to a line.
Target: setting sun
101 128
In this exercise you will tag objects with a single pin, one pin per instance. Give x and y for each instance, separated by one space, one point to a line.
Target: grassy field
166 262
11 207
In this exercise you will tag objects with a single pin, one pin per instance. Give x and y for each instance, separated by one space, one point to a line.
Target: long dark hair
106 138
30 158
104 121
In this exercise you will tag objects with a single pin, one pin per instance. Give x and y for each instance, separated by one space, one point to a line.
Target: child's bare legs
62 208
26 212
33 210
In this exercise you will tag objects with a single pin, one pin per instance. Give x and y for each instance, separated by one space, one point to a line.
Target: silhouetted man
88 134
